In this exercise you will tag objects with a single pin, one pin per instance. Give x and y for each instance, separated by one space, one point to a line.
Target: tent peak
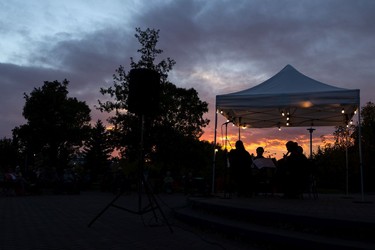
287 81
288 67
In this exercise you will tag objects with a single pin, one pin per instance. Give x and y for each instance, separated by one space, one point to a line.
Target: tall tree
9 154
97 150
180 113
368 126
332 158
368 144
344 136
56 124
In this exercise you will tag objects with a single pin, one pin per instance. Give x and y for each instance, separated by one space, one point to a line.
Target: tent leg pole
214 156
360 151
347 161
346 169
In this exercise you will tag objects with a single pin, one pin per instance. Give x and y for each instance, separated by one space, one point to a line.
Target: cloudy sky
219 46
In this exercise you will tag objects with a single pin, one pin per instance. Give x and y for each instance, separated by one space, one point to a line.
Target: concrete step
274 229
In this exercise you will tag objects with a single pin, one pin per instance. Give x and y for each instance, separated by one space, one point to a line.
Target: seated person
264 170
260 151
260 161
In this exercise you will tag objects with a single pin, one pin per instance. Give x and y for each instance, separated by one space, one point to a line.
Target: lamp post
311 130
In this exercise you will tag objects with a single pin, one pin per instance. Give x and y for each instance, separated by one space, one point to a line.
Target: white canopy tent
292 99
305 101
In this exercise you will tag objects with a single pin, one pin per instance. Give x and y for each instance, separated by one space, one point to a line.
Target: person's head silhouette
260 151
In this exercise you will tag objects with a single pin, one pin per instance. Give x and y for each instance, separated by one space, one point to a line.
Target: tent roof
305 101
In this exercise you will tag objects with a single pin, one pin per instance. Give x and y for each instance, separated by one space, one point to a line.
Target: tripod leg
105 209
150 200
153 202
148 189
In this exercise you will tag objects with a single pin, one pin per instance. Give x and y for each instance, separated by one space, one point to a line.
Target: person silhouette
295 167
240 168
259 151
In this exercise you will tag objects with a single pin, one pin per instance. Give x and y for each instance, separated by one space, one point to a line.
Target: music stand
153 204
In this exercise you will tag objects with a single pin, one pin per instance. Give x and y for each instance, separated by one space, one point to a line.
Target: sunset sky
219 46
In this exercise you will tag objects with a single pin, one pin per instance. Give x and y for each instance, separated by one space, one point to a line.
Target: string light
287 118
342 111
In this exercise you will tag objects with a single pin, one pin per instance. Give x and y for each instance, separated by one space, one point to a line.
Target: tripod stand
153 204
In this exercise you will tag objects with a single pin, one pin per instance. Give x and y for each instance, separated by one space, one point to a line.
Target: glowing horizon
271 139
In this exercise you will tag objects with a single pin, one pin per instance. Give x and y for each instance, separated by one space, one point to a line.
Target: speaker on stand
144 92
143 100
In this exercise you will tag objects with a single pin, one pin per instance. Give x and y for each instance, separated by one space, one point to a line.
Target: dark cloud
315 36
15 82
219 47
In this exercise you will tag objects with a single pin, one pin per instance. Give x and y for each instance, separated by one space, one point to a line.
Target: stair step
265 234
359 230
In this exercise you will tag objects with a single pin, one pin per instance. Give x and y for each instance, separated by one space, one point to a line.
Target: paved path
61 222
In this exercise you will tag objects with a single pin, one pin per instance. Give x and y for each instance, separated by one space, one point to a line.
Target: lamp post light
311 130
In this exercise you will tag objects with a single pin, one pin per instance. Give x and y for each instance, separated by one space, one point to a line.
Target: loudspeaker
144 91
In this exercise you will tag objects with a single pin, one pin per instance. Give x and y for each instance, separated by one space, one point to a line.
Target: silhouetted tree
97 150
331 159
368 144
178 124
56 124
9 154
330 163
